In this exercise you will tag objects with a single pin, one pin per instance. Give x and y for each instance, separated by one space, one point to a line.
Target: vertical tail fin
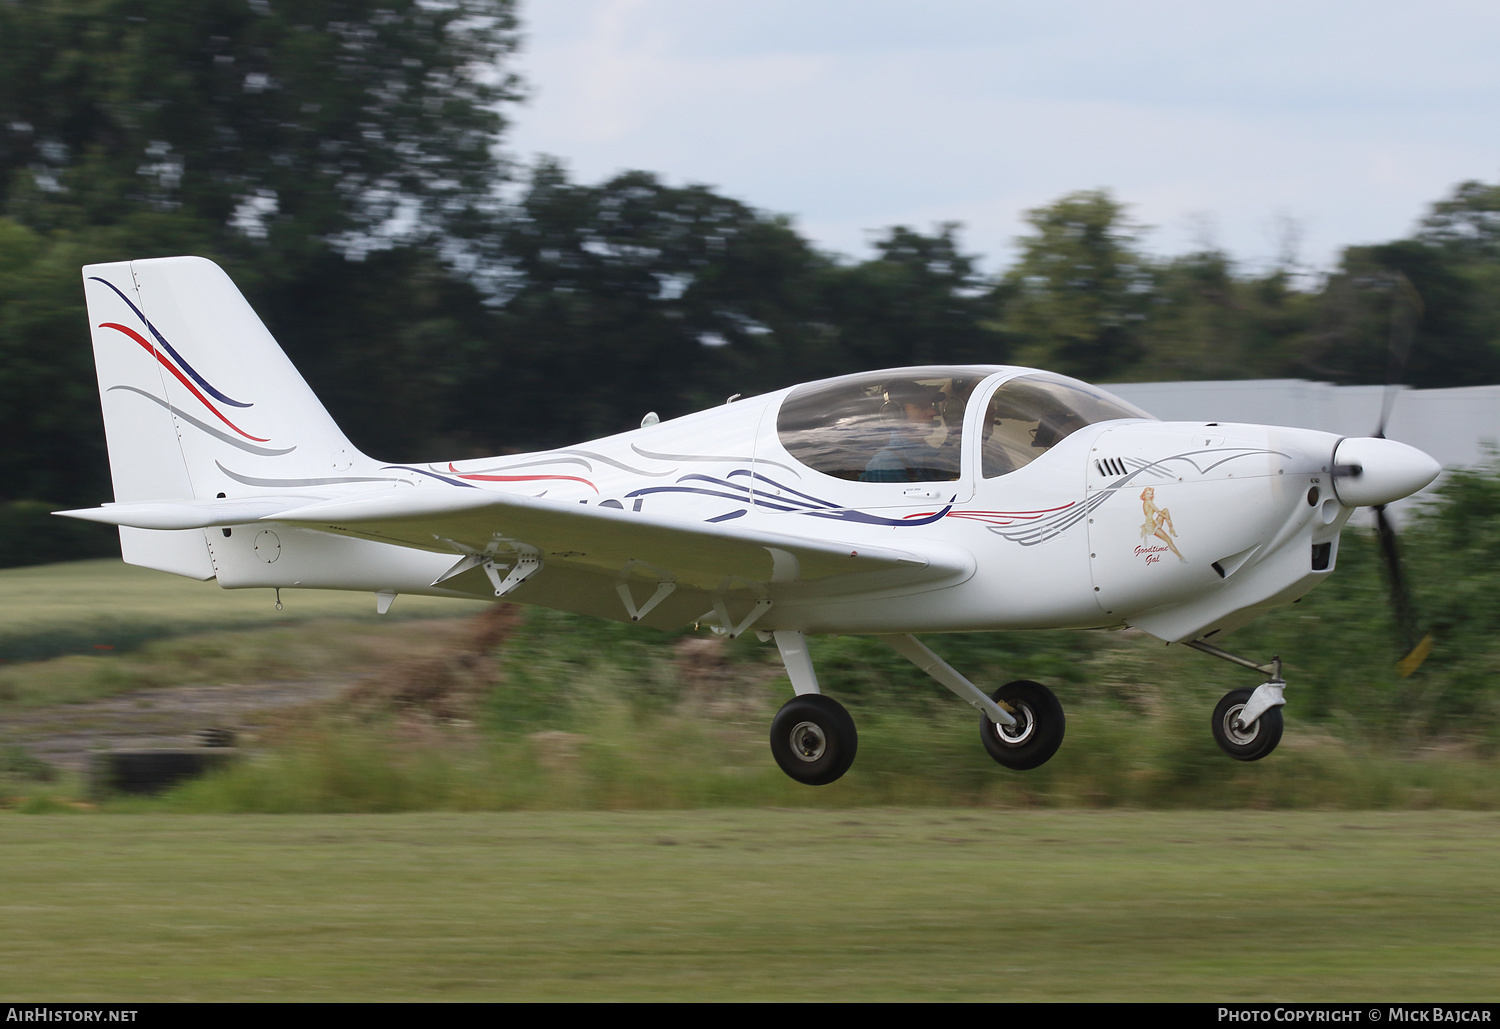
199 401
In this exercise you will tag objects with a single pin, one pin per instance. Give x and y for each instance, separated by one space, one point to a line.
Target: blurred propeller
1417 648
1406 310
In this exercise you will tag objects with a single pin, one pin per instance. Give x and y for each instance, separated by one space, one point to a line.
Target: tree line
342 160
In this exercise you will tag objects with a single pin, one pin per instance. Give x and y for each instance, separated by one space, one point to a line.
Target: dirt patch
434 678
444 687
717 686
65 735
437 678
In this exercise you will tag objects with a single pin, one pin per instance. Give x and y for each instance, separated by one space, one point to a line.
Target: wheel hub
1015 735
1237 732
808 741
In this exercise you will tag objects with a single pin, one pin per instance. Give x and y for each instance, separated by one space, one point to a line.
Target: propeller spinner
1369 471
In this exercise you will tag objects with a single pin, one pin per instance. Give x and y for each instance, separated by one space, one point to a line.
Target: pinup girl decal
1158 522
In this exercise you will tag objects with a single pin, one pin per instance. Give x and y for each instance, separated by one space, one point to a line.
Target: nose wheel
1247 723
1240 740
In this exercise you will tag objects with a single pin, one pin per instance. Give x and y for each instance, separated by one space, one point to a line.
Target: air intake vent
1321 554
1110 466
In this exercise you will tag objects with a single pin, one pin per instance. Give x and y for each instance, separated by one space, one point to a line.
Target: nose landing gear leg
1247 724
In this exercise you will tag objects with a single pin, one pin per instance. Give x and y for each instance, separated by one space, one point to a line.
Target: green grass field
586 811
555 712
87 629
874 904
48 610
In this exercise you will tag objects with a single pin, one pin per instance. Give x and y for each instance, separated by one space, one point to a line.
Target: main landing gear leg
1021 725
813 739
812 736
1247 724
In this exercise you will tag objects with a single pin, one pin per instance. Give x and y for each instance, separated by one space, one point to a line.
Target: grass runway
774 905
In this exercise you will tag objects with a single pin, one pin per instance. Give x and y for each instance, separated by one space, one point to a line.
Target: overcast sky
1242 125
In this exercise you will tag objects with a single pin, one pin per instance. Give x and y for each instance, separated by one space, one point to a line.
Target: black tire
813 739
1038 731
1253 742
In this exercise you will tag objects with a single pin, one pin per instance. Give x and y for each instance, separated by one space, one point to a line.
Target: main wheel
1038 731
1252 742
813 739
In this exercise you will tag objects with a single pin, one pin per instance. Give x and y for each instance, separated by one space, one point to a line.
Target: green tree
279 139
1208 322
634 295
1351 342
921 301
1466 228
1453 263
630 296
51 434
337 120
389 344
1467 224
1077 299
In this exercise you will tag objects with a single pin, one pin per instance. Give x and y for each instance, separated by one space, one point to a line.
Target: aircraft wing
585 537
605 539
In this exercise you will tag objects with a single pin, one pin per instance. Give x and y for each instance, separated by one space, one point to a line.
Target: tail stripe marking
204 426
520 478
200 380
169 366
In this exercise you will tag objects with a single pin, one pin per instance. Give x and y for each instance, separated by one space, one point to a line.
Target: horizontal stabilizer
189 514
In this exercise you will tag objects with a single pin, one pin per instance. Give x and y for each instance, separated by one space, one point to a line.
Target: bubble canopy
907 425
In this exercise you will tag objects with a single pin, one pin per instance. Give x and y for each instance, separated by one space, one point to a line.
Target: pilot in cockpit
909 455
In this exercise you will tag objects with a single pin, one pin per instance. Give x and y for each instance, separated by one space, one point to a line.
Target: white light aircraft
889 503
